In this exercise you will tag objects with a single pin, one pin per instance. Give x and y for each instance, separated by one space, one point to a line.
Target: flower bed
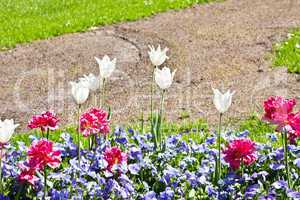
119 164
126 166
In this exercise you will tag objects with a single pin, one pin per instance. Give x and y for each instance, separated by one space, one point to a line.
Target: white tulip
80 92
90 81
7 128
106 66
164 77
222 101
157 56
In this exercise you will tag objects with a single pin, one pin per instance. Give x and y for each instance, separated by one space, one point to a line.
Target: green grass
287 54
198 130
27 20
258 129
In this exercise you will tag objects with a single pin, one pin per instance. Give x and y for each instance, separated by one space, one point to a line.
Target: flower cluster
279 111
45 121
40 154
240 151
43 154
184 168
28 172
94 121
114 156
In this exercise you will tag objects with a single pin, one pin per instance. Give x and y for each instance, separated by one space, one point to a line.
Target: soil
221 45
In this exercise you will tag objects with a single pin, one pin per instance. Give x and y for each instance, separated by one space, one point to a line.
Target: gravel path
222 45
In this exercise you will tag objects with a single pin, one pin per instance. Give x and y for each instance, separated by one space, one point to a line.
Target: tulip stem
242 166
89 142
218 172
37 134
285 147
78 133
48 130
102 104
17 197
142 122
159 125
45 182
154 138
95 99
1 183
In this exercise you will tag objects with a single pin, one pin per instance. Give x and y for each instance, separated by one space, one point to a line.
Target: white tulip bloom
7 128
90 81
222 101
106 66
80 92
163 77
157 56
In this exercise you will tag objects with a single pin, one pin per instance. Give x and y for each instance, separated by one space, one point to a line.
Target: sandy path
223 45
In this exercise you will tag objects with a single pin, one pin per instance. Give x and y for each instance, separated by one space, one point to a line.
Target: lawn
287 54
27 20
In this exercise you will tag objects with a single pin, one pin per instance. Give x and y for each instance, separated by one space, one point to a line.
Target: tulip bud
106 66
222 101
7 128
157 56
79 92
164 77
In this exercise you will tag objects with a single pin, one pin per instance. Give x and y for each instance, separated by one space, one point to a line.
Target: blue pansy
293 194
211 191
168 194
243 133
191 178
3 197
135 153
297 162
272 137
210 140
122 140
280 184
276 166
262 174
252 191
134 168
149 196
59 195
119 131
170 173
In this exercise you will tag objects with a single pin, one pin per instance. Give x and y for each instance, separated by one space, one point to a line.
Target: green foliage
27 20
287 54
184 114
197 130
258 129
54 135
